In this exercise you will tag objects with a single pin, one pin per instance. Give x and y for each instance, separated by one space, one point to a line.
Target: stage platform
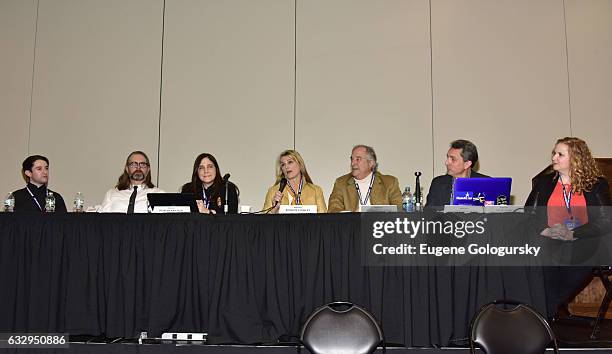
241 349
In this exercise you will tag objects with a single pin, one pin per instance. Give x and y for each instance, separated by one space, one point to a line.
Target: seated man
130 194
460 160
35 171
364 185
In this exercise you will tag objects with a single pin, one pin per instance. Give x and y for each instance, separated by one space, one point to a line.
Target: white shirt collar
366 178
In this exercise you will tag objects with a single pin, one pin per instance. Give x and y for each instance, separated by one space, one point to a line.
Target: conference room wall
227 90
589 43
499 72
17 28
363 77
500 80
96 90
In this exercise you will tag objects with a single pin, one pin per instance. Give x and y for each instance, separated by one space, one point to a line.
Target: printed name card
298 209
171 209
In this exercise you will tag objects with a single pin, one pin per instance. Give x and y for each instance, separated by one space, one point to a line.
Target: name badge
571 223
297 209
171 209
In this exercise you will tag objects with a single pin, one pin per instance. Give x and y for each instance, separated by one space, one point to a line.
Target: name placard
297 209
171 209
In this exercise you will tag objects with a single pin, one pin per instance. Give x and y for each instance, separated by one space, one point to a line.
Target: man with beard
364 185
130 194
35 171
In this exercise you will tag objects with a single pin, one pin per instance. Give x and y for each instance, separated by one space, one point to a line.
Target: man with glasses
130 194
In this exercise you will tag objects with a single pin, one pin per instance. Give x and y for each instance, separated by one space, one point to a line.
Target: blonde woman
299 188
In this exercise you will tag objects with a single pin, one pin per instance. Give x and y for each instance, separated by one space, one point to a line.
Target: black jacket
217 196
440 189
597 201
25 203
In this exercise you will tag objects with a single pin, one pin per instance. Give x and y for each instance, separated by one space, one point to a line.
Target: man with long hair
130 193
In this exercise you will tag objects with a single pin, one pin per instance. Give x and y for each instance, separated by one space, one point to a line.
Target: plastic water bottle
407 201
9 203
79 202
50 202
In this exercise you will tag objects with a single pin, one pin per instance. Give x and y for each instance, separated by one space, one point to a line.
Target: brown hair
124 179
584 170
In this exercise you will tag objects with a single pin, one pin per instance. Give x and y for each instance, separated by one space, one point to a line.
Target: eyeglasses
138 164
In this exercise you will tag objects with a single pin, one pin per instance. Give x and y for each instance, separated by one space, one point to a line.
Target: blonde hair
298 159
584 170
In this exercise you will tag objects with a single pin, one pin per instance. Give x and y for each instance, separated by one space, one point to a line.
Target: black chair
341 327
508 327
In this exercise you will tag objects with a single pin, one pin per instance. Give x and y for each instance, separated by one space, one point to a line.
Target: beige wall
245 80
17 34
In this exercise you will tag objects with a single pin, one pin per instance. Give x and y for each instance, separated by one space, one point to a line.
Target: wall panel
363 77
96 90
228 90
589 42
17 33
500 80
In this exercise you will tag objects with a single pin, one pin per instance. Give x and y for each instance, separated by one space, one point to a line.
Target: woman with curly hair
576 197
574 184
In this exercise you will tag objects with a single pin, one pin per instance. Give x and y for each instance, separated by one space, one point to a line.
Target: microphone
281 188
417 191
225 180
282 185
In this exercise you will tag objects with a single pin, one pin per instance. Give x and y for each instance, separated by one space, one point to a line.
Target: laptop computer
482 191
172 200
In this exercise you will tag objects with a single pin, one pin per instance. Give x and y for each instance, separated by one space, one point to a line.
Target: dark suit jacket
24 201
597 201
385 191
440 189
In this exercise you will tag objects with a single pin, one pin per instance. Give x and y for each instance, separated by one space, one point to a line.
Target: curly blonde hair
584 170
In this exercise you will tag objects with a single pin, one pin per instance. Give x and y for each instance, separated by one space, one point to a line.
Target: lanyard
367 197
33 197
567 197
205 199
297 195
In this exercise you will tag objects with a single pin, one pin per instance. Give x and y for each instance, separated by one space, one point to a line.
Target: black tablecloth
241 278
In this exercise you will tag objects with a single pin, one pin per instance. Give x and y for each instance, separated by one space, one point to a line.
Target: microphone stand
226 206
417 192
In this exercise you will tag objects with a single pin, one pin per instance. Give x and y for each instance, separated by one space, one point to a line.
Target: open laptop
172 200
482 191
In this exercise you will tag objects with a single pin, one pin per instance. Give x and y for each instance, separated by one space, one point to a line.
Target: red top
557 210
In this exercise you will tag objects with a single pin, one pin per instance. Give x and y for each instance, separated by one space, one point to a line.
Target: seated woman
574 184
299 191
575 195
209 188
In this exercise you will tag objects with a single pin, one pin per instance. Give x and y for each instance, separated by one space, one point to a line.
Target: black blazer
25 203
596 200
440 189
217 196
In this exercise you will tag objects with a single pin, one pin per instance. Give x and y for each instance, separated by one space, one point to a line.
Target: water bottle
79 202
50 202
9 203
407 201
